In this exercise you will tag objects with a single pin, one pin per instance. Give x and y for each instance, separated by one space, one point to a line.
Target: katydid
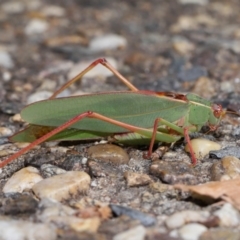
127 116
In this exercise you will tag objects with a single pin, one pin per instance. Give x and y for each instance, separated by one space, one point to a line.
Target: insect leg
89 114
186 135
106 64
155 130
182 131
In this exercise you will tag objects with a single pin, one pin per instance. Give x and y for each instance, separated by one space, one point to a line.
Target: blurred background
174 45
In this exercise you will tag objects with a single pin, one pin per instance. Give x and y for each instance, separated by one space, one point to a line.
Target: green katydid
127 116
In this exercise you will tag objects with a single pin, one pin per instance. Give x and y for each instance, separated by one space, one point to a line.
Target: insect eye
217 110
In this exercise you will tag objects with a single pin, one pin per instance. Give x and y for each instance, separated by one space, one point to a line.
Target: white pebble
34 5
23 230
182 45
227 87
174 233
98 71
199 2
38 96
36 26
5 132
180 218
6 76
53 11
6 60
136 233
191 231
84 160
17 118
13 7
21 180
228 215
62 186
107 42
49 85
202 147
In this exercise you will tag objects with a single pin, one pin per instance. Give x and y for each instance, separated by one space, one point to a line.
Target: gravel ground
94 190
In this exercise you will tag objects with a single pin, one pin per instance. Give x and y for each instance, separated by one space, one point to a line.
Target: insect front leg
106 64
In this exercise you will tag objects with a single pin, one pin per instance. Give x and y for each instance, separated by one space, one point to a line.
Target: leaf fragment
228 191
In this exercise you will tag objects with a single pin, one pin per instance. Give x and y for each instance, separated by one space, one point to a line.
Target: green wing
33 132
138 109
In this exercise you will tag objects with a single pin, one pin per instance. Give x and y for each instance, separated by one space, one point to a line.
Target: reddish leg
70 123
106 64
177 129
186 135
155 128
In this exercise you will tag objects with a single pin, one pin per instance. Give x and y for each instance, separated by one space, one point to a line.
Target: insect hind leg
106 64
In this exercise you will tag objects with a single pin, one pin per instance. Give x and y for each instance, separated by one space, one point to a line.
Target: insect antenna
233 112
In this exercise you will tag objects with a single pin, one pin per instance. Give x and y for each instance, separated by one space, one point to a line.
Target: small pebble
17 203
6 60
228 215
192 74
44 94
17 118
228 151
6 76
182 45
58 214
21 180
5 152
145 219
53 11
72 162
49 170
13 7
38 96
233 45
204 87
34 5
5 132
136 179
136 233
174 172
23 230
23 145
62 186
97 71
108 153
36 26
191 231
57 149
186 22
180 218
160 187
81 224
107 42
227 168
202 147
197 2
220 234
76 223
48 85
49 208
84 160
236 131
227 87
